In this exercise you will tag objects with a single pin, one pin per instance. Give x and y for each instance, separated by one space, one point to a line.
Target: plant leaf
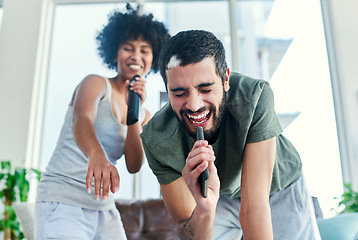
38 173
6 165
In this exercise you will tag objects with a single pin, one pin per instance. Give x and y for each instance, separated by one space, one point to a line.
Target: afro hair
130 25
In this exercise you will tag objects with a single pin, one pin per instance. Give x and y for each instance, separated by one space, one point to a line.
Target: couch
146 220
344 226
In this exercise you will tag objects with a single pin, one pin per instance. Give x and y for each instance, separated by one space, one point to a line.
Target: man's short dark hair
193 46
127 26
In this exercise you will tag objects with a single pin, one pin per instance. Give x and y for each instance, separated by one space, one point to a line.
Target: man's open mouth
199 118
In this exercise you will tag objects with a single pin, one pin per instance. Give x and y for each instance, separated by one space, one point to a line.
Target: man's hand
105 175
200 157
194 214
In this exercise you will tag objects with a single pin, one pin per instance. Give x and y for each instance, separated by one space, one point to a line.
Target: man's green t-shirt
250 117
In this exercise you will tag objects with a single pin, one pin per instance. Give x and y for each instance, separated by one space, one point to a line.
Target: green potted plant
14 186
349 199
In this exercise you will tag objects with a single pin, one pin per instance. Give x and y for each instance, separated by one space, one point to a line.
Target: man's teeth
199 121
199 118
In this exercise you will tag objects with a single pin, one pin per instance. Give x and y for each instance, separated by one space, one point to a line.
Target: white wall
19 65
341 20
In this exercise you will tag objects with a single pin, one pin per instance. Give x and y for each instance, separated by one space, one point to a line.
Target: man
256 189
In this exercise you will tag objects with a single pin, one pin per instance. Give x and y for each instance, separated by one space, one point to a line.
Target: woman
73 199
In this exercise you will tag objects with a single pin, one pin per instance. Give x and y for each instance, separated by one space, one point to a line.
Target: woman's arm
85 105
133 151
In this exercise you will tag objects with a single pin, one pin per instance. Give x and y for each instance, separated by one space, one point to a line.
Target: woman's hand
105 176
138 86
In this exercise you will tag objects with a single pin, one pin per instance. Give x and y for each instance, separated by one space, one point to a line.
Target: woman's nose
135 55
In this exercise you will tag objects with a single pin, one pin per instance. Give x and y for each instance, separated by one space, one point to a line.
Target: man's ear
226 83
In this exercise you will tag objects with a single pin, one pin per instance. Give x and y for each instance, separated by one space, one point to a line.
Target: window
288 50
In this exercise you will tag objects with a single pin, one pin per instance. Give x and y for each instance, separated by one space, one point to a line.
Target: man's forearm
257 217
196 227
185 230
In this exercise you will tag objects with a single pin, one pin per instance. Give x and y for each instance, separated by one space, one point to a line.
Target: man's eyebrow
178 89
205 84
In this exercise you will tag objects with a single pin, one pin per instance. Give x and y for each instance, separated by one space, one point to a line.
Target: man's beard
211 134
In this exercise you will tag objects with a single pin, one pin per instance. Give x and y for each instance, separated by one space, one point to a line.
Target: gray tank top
65 177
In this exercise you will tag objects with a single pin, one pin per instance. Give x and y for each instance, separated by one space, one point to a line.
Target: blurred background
304 48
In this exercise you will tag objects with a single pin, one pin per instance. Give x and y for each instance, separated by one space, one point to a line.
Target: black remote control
204 176
133 105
